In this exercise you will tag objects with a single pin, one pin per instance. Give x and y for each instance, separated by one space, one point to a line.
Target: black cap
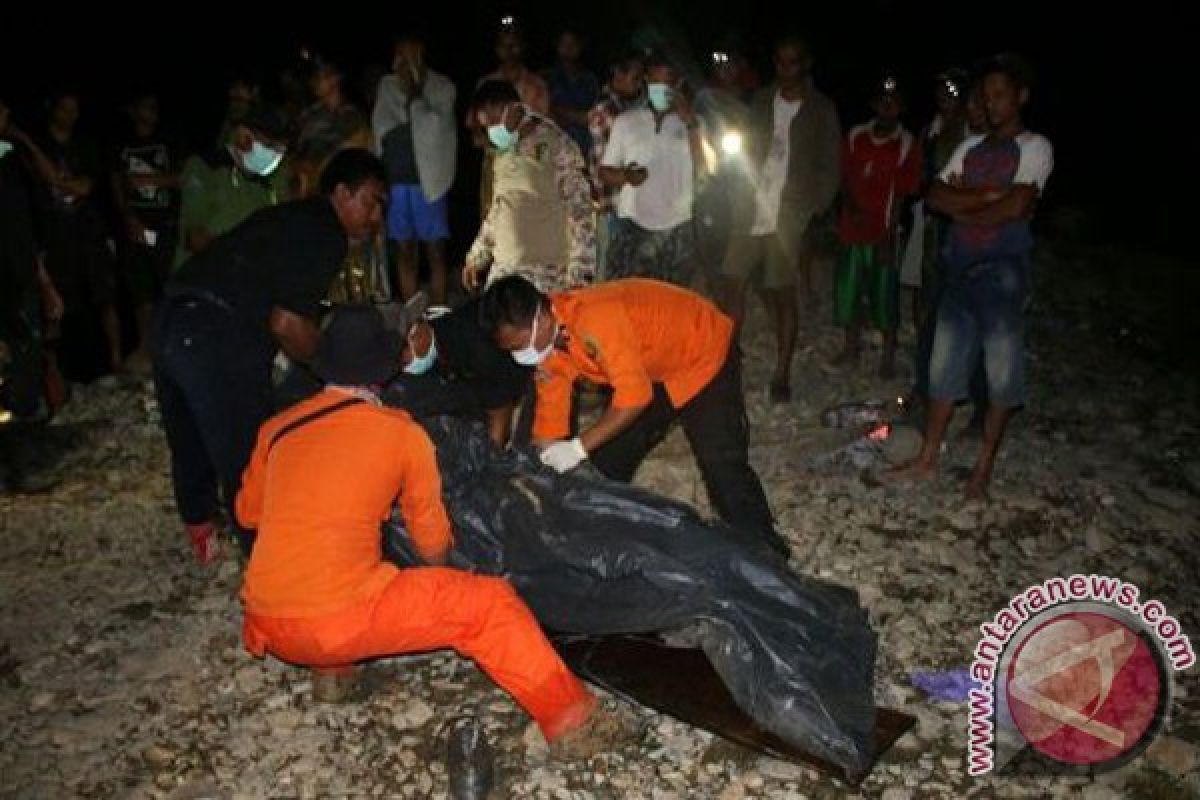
265 120
400 317
357 348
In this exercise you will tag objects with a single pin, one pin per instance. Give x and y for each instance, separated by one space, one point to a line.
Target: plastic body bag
597 557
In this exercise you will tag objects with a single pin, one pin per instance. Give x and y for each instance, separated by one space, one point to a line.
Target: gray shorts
780 254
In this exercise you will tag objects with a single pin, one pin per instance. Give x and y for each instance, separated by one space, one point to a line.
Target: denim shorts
981 311
410 217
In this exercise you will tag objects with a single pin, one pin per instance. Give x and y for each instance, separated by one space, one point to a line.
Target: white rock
781 770
1098 791
413 714
41 701
535 744
930 724
1096 540
1173 756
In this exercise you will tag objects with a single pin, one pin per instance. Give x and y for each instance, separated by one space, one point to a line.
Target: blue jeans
981 310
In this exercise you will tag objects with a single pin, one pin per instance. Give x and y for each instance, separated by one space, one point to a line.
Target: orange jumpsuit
630 334
317 590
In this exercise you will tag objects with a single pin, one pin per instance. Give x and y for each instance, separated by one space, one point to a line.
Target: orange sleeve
421 496
248 505
554 381
609 338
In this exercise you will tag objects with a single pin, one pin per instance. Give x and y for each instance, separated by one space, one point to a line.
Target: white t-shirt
773 173
1035 166
664 201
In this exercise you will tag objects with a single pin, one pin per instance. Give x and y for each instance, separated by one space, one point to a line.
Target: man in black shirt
145 186
74 235
452 366
229 308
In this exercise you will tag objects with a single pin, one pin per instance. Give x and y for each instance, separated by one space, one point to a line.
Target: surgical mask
660 95
261 160
502 137
422 364
6 147
530 356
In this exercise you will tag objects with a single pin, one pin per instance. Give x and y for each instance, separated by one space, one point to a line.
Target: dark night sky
1106 88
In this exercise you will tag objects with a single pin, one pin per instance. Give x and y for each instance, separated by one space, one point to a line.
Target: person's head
409 52
1007 79
569 46
793 62
724 70
242 96
419 345
887 103
519 319
62 110
662 81
357 348
356 185
258 140
496 108
628 74
324 79
950 92
510 47
143 113
977 121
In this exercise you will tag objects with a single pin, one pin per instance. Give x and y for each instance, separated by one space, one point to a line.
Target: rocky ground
121 673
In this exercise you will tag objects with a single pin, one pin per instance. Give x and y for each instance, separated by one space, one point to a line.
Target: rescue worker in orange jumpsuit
667 353
317 592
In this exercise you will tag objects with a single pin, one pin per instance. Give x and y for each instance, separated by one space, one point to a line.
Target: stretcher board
681 683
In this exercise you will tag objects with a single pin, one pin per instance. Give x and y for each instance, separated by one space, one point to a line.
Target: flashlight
720 58
731 143
889 84
508 22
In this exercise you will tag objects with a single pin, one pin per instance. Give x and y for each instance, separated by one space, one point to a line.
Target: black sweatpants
716 427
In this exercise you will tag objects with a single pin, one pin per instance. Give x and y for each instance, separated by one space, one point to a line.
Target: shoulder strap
312 417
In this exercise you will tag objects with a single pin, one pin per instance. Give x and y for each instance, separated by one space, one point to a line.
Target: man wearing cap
452 366
229 309
881 166
667 353
242 176
541 223
317 592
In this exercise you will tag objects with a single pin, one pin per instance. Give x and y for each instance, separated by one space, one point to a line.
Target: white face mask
530 356
422 364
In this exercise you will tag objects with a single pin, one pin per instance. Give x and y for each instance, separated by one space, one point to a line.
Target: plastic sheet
597 557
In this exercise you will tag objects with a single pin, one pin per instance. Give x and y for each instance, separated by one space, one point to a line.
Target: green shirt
218 197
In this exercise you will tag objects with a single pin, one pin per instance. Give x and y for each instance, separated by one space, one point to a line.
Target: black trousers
716 427
213 380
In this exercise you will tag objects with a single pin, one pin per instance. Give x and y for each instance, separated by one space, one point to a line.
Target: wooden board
681 683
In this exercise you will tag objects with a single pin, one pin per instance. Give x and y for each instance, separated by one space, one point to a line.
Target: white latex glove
565 455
